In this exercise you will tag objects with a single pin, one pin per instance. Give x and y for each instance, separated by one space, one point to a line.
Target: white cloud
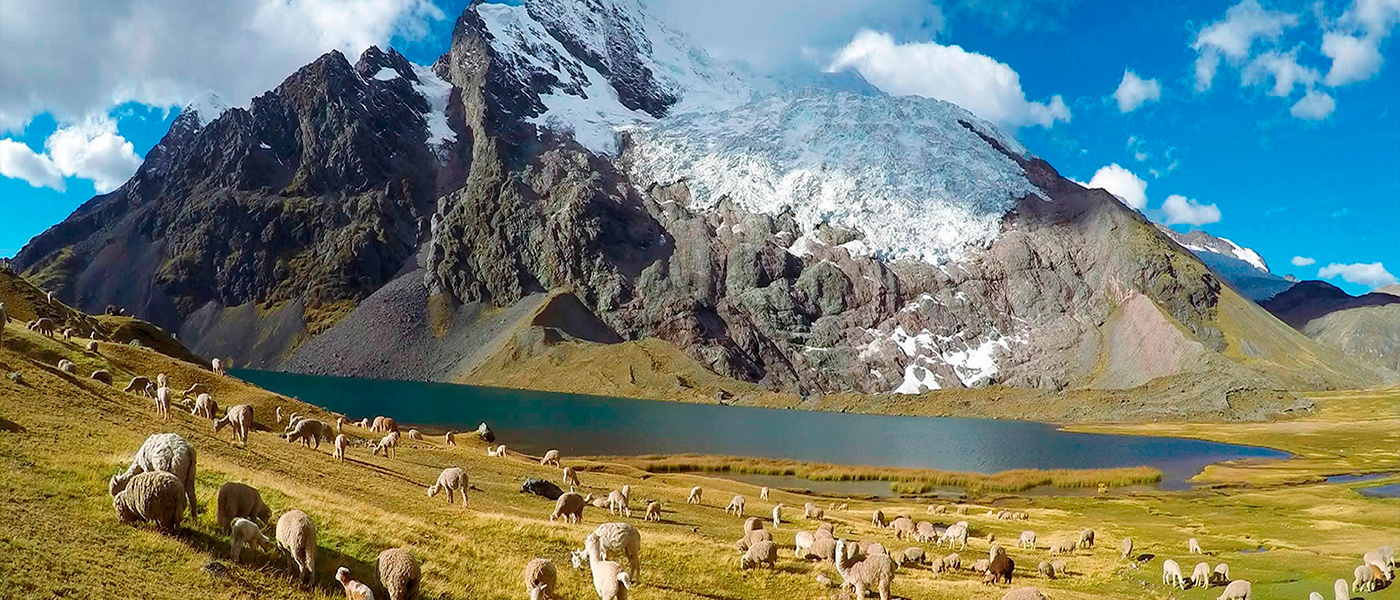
1233 37
1353 58
89 150
1283 68
990 89
1180 210
1134 91
1316 105
1136 146
1302 261
1120 182
1375 17
1372 275
766 35
76 58
19 162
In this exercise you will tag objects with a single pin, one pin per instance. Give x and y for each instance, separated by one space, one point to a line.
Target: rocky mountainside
396 220
1240 267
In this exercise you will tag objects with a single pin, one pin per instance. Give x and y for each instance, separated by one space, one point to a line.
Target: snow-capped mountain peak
206 108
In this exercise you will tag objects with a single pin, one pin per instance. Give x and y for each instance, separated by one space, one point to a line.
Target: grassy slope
66 436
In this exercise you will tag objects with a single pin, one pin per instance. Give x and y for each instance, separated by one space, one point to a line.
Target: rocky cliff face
554 147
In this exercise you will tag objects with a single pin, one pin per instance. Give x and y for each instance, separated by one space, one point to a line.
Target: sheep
825 529
68 334
241 418
925 531
138 385
383 425
103 376
1063 547
877 519
1237 590
1374 557
627 494
498 451
162 452
452 480
386 445
736 506
1200 576
875 571
279 414
1086 538
571 477
50 296
1315 596
753 537
981 566
92 346
801 542
1221 574
869 548
810 511
569 506
653 511
913 555
340 425
999 570
941 509
1193 547
1060 566
760 553
617 502
952 562
1387 554
218 366
694 497
1339 590
243 532
609 580
1046 570
903 526
415 435
956 534
206 407
1363 579
449 438
163 402
763 493
399 574
995 550
777 514
821 548
237 500
151 496
308 431
67 366
1024 594
550 458
363 424
354 590
962 510
1027 540
1171 573
162 380
615 540
340 443
45 326
297 535
1127 547
540 578
199 388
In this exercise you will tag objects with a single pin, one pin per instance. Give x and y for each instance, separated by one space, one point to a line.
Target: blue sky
1308 170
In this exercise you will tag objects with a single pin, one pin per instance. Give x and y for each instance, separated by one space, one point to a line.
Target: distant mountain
577 174
1367 327
1241 267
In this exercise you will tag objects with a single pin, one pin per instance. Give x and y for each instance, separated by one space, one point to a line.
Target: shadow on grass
11 426
695 593
275 561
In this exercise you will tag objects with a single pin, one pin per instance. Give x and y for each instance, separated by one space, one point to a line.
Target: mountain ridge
262 252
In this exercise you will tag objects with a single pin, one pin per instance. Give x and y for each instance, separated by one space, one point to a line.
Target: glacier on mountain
910 174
